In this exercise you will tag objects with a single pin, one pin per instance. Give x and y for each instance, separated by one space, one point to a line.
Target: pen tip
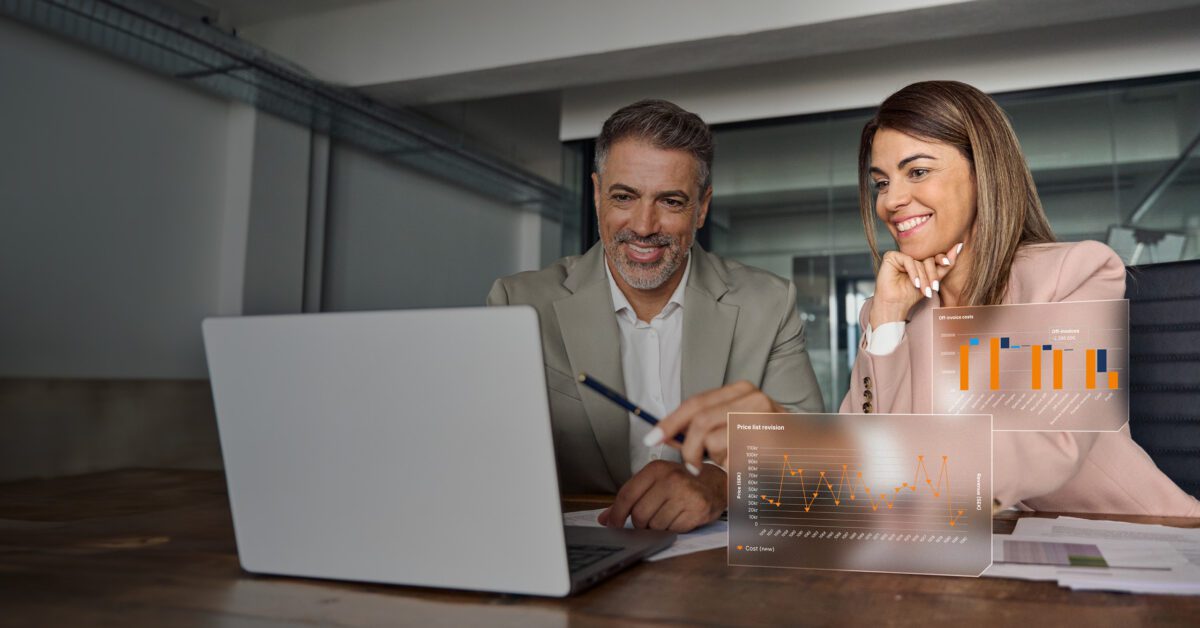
582 376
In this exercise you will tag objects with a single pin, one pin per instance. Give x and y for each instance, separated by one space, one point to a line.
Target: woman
940 165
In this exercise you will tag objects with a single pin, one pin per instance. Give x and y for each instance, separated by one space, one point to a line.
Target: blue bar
974 342
1047 347
1101 360
1004 343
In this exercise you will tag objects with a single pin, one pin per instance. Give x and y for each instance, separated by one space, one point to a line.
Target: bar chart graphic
1035 367
893 493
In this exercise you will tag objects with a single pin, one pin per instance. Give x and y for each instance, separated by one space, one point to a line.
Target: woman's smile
907 227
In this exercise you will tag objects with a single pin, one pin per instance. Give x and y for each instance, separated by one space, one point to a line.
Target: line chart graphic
846 488
862 492
1035 366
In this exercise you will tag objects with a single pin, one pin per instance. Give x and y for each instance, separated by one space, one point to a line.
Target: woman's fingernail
653 437
959 249
935 285
928 293
693 469
945 261
917 283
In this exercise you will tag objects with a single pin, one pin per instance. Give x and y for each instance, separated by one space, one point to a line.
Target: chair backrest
1164 373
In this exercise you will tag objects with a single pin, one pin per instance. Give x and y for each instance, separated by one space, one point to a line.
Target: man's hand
704 417
664 496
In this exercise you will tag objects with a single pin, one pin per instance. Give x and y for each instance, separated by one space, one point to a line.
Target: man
650 313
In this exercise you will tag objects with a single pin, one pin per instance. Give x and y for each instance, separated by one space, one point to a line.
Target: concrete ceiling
411 52
243 13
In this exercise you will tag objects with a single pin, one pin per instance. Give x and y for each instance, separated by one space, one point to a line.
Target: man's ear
702 211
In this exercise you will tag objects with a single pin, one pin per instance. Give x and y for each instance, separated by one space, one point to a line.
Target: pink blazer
1103 472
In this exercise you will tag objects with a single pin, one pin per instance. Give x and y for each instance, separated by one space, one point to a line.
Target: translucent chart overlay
897 493
1035 367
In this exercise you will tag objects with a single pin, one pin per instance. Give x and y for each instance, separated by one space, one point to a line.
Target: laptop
409 447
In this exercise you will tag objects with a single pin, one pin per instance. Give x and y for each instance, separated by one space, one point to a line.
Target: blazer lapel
592 340
708 327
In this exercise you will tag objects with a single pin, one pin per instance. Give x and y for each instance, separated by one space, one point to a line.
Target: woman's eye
917 173
880 186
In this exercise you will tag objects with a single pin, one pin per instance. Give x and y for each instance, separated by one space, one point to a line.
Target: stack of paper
1082 554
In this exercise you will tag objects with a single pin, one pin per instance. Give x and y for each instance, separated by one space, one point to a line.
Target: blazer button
867 395
867 407
867 383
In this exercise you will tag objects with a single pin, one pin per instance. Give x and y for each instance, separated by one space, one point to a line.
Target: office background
165 161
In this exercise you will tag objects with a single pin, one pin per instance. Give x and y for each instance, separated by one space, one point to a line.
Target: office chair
1164 370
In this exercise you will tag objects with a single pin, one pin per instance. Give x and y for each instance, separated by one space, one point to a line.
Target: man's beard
646 276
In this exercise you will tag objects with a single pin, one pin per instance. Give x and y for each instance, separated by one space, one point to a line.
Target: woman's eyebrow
915 157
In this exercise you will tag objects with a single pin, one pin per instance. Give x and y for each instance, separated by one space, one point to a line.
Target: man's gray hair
664 125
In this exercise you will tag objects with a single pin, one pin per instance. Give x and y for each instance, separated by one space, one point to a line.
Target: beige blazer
739 323
1055 471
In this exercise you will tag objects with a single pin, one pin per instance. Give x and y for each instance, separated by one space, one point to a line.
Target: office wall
132 206
64 426
112 185
398 238
277 224
113 188
522 129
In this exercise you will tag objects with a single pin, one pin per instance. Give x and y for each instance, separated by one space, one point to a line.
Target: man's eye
621 198
673 202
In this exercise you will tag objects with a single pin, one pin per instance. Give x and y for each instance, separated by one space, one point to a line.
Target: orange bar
1057 369
995 346
1112 380
1090 369
1037 367
964 363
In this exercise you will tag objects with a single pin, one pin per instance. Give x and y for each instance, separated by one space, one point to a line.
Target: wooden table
156 548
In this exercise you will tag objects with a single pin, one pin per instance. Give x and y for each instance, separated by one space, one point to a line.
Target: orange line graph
875 499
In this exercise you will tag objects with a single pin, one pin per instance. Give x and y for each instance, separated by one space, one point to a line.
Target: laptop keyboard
581 556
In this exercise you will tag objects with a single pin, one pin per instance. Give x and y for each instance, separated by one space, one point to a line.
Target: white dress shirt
651 359
884 340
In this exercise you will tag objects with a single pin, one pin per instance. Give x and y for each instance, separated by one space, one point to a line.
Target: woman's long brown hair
1008 212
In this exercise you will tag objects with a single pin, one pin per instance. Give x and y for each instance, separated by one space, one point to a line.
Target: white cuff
884 340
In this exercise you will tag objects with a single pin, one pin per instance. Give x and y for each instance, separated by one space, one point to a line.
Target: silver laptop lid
409 447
